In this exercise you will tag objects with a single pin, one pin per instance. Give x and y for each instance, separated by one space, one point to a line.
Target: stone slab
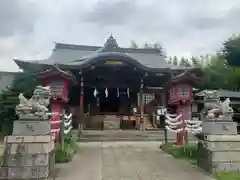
31 127
219 128
223 146
24 172
223 156
32 118
31 148
226 166
40 159
29 139
219 153
222 138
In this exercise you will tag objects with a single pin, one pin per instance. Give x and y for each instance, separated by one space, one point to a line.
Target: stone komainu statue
36 106
214 108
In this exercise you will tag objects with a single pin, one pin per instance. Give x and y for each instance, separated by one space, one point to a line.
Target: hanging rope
193 126
173 124
67 123
171 118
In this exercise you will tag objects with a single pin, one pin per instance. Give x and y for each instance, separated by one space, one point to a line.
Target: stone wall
220 153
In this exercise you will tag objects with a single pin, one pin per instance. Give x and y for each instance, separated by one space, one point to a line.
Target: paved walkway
126 161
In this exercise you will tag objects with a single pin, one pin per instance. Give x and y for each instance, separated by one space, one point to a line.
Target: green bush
65 154
69 139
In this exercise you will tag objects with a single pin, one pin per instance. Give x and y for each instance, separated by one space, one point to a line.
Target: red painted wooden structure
59 82
180 93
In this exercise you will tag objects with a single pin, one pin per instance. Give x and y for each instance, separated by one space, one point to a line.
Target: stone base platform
220 153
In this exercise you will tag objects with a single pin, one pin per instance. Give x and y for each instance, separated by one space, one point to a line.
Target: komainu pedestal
29 151
28 157
219 143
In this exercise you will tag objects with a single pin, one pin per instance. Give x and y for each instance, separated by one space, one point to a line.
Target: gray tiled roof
72 54
223 93
68 54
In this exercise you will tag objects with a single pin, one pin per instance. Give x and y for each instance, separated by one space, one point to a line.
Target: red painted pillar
180 135
81 105
56 119
185 109
142 124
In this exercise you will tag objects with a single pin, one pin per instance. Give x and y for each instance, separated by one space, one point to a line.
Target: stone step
127 135
117 139
133 138
160 139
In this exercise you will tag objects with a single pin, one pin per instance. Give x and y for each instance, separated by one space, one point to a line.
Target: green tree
195 62
182 62
147 46
134 44
218 75
159 46
231 51
175 61
23 83
170 60
187 63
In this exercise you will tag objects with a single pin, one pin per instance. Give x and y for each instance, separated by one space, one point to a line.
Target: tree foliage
184 62
175 61
23 83
231 51
147 45
217 75
133 45
221 70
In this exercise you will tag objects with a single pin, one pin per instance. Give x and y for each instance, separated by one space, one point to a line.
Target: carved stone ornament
36 107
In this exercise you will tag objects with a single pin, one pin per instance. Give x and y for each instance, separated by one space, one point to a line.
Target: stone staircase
126 135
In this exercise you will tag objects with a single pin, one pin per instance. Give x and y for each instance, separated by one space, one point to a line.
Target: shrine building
111 87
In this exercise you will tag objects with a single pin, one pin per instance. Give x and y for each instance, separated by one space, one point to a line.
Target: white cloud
186 27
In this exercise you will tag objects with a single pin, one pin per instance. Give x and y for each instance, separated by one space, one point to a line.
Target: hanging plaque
113 62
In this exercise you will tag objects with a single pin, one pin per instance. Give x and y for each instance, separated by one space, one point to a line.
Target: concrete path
126 161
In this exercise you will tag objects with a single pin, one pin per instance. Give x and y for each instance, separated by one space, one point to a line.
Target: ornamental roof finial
111 41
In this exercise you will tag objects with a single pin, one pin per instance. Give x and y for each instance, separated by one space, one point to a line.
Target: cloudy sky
29 28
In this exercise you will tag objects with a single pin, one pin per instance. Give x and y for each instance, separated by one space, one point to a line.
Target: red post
180 135
81 105
56 119
185 109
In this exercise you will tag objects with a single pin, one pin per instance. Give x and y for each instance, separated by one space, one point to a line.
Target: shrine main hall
111 87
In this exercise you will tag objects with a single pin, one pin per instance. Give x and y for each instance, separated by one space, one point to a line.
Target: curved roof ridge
97 48
76 47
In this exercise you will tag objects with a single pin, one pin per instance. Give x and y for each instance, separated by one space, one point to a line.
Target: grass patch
191 154
227 176
65 154
188 152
